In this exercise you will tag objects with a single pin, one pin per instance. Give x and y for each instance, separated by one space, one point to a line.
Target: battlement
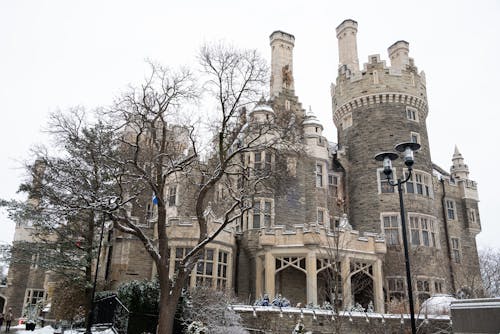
376 78
317 235
281 36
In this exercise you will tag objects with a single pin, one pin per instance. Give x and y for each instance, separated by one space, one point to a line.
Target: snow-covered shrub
140 296
279 301
212 309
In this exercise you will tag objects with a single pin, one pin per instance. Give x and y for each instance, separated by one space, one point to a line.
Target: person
1 320
8 320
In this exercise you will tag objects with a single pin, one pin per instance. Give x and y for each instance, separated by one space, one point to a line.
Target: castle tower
380 107
373 111
348 48
282 45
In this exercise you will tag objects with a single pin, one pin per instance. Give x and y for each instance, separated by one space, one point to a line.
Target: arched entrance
290 279
362 284
329 282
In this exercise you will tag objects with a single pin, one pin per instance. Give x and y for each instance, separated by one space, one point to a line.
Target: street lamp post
90 316
387 157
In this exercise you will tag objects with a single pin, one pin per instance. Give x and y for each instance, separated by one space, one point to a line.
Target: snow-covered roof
311 119
262 106
438 304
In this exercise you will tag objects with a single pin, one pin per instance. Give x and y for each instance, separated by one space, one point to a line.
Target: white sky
58 54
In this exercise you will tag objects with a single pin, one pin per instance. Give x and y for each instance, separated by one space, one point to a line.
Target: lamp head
387 158
408 148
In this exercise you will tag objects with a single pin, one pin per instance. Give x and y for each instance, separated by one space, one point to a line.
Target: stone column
378 287
345 271
312 281
270 268
258 278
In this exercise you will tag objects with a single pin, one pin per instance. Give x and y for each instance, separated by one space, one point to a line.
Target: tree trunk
166 316
168 304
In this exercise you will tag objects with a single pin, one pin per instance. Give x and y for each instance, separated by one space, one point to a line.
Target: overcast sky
58 54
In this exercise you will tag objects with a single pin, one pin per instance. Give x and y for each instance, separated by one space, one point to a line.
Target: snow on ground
50 330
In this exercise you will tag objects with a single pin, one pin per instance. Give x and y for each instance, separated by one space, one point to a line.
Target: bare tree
158 153
489 260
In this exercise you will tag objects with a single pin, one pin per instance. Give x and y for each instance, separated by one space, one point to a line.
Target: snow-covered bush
211 308
279 301
140 296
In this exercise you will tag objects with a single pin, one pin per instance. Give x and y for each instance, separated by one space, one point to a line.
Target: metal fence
110 310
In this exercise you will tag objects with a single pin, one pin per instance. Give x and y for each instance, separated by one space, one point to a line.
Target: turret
282 45
313 134
398 54
348 48
459 170
262 112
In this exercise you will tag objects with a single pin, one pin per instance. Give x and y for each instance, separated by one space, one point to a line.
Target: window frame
451 209
456 253
412 114
319 175
203 263
399 285
263 212
423 230
416 136
172 195
321 213
383 183
391 228
29 297
419 183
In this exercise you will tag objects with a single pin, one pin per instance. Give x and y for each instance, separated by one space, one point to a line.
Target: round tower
374 110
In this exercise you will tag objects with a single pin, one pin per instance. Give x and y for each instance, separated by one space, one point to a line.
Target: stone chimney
282 44
348 47
398 54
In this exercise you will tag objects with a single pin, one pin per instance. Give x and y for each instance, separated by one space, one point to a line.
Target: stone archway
329 282
361 277
290 279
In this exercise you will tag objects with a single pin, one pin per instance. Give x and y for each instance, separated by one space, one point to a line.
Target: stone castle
334 233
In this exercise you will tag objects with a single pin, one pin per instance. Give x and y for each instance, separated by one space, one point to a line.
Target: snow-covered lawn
50 330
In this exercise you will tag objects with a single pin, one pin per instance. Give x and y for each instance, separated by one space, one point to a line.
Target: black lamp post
90 315
387 158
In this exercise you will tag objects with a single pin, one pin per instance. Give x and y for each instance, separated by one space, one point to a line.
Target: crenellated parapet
317 236
341 111
354 87
376 81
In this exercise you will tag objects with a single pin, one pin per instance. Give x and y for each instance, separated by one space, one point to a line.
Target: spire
459 170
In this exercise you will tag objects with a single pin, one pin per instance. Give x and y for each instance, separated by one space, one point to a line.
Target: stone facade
331 219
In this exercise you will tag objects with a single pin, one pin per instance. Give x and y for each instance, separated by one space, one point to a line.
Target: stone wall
272 320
